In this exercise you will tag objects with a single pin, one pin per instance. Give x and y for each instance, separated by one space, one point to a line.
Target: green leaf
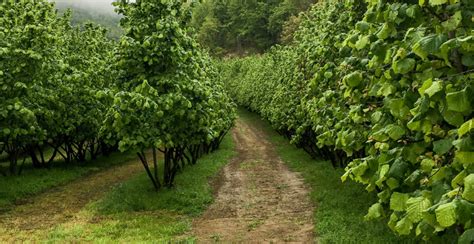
465 210
437 2
459 101
395 131
404 226
345 175
398 169
360 169
459 179
380 136
453 118
385 31
446 49
428 45
467 60
387 89
465 158
466 128
436 87
412 11
467 237
375 117
453 22
443 146
375 212
398 201
392 183
353 79
362 26
362 42
426 84
413 179
404 66
398 108
446 214
393 221
464 144
415 208
468 193
383 170
440 174
427 165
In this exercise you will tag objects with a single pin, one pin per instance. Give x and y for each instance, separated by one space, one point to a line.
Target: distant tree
236 26
81 16
209 31
289 28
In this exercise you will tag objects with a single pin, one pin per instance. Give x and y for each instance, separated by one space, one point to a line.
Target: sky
104 6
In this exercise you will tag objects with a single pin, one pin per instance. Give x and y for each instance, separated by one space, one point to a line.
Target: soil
258 199
61 204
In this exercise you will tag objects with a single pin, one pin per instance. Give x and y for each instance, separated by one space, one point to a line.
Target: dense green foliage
72 90
50 73
243 26
169 95
386 89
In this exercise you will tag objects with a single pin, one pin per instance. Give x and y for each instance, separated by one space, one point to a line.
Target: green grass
133 211
339 207
33 181
124 227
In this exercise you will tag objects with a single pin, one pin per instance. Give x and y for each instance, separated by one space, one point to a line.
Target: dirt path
258 199
61 204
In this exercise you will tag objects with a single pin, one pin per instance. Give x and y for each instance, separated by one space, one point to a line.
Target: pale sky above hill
97 5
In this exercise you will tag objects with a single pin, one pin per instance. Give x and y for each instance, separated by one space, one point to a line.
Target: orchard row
70 92
386 90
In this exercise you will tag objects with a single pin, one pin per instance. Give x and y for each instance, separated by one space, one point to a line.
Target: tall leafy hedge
170 97
50 73
384 89
74 92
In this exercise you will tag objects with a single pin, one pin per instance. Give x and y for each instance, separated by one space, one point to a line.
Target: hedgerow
70 91
169 97
50 73
384 89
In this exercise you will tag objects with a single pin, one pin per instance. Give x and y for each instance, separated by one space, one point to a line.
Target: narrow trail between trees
257 197
61 204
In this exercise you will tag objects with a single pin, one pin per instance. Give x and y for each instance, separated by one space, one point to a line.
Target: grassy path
117 204
258 198
340 207
62 203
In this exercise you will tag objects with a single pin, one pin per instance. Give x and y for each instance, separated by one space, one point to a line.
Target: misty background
99 6
98 11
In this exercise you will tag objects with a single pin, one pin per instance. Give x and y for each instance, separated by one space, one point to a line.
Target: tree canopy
236 26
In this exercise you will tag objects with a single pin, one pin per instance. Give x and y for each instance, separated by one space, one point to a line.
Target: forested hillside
238 27
385 90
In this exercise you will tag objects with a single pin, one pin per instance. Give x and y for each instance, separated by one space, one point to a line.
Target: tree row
70 92
384 89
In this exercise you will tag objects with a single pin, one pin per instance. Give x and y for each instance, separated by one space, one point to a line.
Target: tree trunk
144 161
